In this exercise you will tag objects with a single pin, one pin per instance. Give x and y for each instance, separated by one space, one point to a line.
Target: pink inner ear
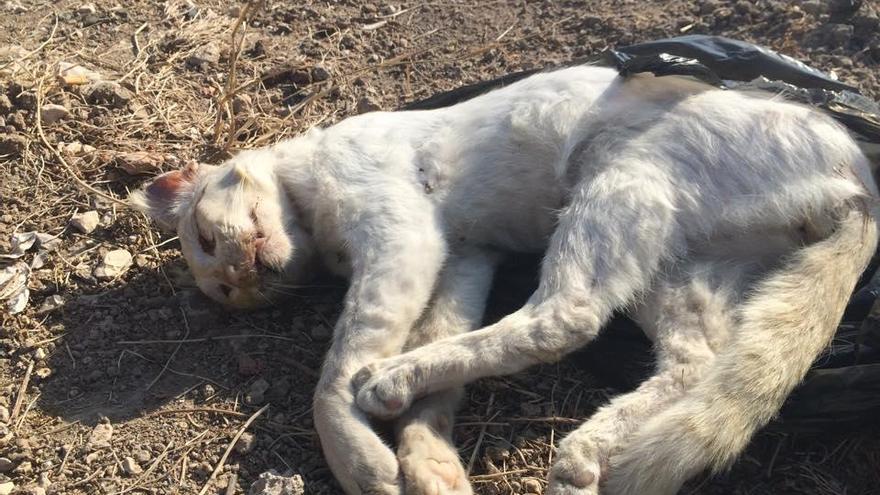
168 185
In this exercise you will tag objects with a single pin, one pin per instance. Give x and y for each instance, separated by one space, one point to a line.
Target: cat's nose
240 276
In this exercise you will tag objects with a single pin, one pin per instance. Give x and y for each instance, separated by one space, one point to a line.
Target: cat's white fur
732 226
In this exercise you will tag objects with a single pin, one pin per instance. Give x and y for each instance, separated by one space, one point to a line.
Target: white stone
100 436
114 264
51 113
86 222
131 467
272 483
6 488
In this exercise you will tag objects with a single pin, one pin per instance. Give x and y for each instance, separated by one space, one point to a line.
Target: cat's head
238 230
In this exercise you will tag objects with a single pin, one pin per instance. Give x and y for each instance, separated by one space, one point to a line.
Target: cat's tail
784 324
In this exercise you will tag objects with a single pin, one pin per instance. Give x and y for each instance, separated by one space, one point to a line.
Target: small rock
5 104
813 7
114 264
320 73
92 457
71 74
4 414
100 436
52 302
241 103
142 261
8 487
365 105
843 8
300 78
51 113
131 467
839 34
107 93
43 373
204 55
142 456
5 465
138 162
257 391
12 144
24 468
77 149
246 443
40 354
86 8
272 483
532 485
321 333
86 222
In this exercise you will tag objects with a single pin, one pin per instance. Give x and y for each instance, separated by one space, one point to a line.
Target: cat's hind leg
688 314
428 459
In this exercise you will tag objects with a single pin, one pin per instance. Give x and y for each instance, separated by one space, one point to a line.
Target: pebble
532 485
12 144
142 260
131 467
72 74
138 162
813 7
100 436
320 73
107 93
51 113
77 149
5 465
6 488
257 391
321 333
272 483
114 264
15 8
92 457
839 34
86 222
86 8
142 455
40 354
24 468
204 55
245 443
4 414
365 105
43 373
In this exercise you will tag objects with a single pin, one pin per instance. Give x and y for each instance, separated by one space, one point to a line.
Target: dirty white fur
730 225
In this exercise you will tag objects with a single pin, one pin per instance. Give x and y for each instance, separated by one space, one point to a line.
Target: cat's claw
384 391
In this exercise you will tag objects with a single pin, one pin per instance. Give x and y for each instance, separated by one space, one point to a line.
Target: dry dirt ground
133 383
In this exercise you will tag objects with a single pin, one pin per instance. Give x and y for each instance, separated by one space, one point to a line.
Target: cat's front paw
385 390
575 471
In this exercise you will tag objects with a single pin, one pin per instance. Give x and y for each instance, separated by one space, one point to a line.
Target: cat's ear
163 198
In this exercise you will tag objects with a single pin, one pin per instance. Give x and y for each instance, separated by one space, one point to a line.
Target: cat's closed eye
206 244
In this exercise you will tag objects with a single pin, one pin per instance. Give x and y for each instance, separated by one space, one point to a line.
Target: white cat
731 226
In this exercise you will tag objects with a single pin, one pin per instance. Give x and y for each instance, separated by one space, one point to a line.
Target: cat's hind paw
429 464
